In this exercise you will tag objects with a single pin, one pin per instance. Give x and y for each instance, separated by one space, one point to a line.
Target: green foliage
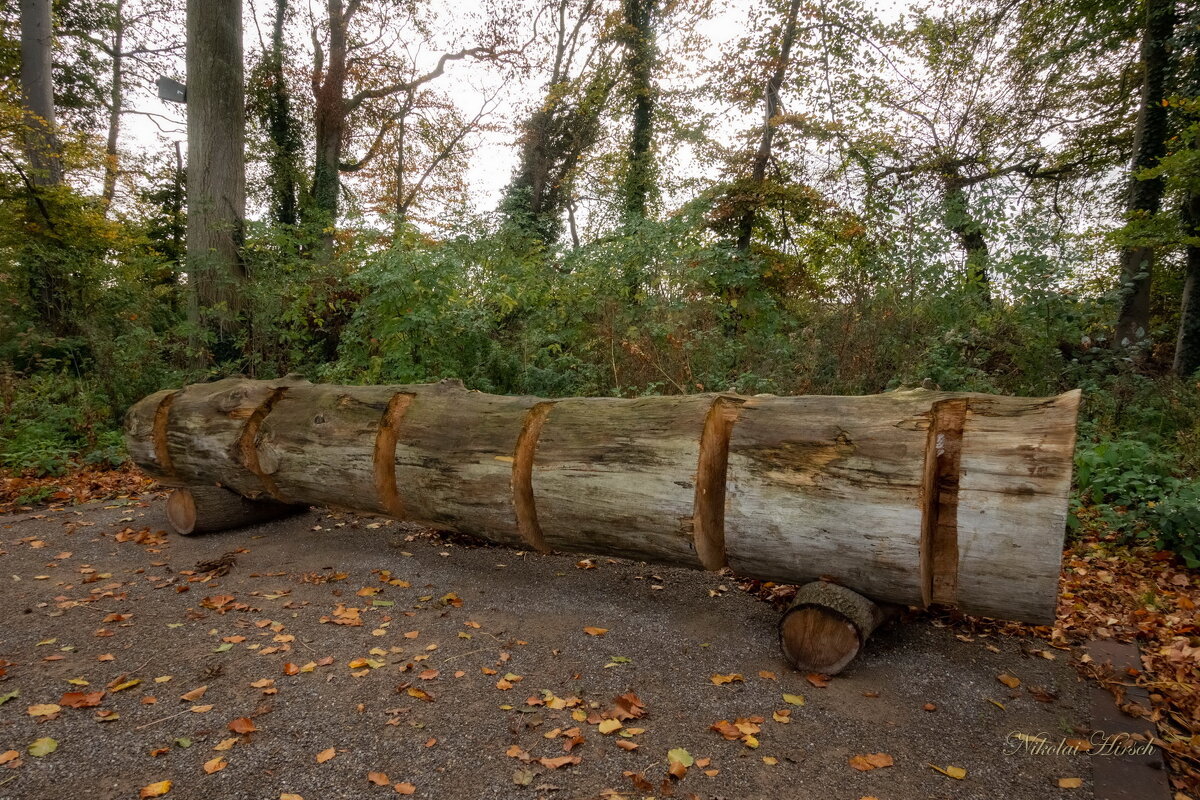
1134 488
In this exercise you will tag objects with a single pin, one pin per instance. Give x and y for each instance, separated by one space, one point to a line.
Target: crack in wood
522 477
708 517
939 493
246 447
386 439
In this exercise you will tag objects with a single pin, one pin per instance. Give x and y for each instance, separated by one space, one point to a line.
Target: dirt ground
99 593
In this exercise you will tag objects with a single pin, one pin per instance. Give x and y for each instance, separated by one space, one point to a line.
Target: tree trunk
208 509
43 256
329 87
216 173
1149 146
1187 343
281 128
37 94
969 230
639 65
910 497
758 170
115 102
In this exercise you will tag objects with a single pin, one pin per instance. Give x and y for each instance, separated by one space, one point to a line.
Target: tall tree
374 77
1187 342
1145 193
566 124
273 102
638 36
42 253
216 176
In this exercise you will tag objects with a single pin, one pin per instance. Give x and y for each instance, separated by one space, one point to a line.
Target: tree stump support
826 627
208 509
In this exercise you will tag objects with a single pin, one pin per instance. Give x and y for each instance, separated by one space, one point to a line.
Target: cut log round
826 627
208 509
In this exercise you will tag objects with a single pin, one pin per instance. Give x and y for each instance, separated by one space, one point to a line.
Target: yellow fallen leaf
609 725
870 761
794 699
225 744
1070 783
201 709
194 694
730 678
958 773
155 789
126 685
590 631
290 796
43 709
215 765
770 761
325 755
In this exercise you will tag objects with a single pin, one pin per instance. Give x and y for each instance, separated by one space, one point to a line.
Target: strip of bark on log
208 509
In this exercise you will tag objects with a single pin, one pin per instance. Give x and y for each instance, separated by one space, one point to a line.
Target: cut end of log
524 504
708 521
208 509
826 627
385 454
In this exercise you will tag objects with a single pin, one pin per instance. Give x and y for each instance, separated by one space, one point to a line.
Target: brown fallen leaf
43 709
591 631
561 761
378 778
243 725
325 755
817 679
625 744
81 699
1008 680
404 788
870 761
194 694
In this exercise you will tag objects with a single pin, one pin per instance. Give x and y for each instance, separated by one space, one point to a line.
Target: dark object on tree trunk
826 626
208 509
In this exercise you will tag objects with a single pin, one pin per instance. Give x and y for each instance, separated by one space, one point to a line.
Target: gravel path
474 615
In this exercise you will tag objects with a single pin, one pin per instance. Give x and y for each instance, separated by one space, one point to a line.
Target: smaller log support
826 627
208 509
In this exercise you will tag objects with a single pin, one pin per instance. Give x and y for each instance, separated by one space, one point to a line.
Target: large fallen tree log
911 497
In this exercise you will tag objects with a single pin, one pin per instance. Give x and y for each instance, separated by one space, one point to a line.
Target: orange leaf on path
325 755
155 789
243 725
215 765
378 778
870 761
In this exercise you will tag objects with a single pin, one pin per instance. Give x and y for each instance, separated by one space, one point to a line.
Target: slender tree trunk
329 86
282 128
1149 145
115 101
639 66
37 93
959 219
762 156
216 172
1187 345
402 202
43 255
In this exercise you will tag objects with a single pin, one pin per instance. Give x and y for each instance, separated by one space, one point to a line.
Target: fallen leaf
609 725
590 631
404 788
8 756
200 709
81 699
1070 783
561 761
226 744
870 761
378 778
794 699
720 679
129 684
43 709
194 694
818 680
958 773
155 789
215 765
1008 680
523 777
43 746
770 761
325 755
243 725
